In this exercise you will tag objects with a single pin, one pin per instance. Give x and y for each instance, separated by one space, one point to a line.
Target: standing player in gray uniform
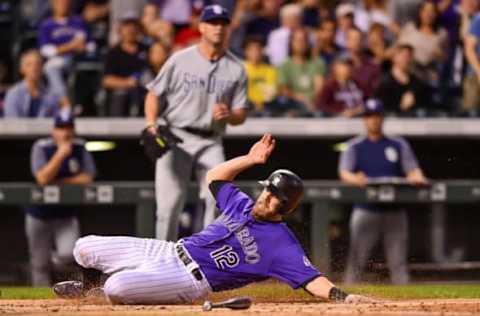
249 242
367 159
198 91
60 159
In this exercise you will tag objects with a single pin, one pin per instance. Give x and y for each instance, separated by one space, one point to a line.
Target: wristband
337 295
151 125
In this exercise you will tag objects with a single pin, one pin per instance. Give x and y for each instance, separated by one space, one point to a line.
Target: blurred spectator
95 13
262 78
52 230
467 10
124 65
471 86
365 72
265 21
4 85
31 97
278 40
377 158
118 10
377 47
61 37
189 35
341 95
374 11
325 46
311 13
429 41
245 11
400 90
301 75
157 55
154 28
345 17
403 11
176 12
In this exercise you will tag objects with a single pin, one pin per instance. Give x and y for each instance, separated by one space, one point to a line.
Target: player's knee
81 251
116 289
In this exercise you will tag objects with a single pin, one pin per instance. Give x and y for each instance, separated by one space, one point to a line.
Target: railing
318 193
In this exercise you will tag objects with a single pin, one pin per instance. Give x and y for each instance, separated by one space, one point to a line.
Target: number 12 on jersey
225 257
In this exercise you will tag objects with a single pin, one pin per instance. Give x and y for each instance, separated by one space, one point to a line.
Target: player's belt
187 260
200 132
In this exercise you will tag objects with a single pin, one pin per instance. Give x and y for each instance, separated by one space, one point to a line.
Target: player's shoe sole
68 289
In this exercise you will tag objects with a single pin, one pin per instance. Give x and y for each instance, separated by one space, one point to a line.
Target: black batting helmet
287 186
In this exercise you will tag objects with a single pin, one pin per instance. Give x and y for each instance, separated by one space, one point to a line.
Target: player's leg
212 156
112 254
365 232
395 242
172 175
66 233
164 281
39 236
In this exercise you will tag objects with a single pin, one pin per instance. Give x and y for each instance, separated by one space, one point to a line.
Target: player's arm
346 168
416 176
118 82
322 288
237 116
81 178
258 154
49 171
151 109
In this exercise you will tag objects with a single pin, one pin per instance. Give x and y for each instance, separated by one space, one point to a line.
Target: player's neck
375 136
211 52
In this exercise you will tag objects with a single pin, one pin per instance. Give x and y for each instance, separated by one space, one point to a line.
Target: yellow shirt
262 84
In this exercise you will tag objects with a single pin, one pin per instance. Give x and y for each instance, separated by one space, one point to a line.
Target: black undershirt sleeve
216 185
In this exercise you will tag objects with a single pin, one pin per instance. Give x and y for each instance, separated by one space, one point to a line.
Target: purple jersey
55 32
236 249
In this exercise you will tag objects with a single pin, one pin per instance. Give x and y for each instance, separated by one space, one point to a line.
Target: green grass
26 293
276 292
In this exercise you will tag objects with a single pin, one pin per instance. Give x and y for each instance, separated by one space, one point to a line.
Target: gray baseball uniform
49 224
188 87
369 223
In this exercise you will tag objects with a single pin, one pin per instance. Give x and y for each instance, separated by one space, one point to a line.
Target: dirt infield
454 307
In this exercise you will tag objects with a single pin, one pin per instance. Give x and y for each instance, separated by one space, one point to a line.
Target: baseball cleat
68 289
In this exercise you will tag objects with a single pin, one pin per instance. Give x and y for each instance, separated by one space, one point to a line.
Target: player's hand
262 149
221 112
361 179
64 149
358 299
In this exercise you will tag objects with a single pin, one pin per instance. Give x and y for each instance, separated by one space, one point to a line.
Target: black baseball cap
214 11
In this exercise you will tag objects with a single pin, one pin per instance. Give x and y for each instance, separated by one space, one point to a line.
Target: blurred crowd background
309 58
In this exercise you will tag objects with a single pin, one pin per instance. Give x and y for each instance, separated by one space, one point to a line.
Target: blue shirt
388 157
18 102
79 161
236 249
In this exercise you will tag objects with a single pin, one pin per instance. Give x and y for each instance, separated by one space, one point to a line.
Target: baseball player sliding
248 242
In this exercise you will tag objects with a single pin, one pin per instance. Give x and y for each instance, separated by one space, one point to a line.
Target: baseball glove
156 145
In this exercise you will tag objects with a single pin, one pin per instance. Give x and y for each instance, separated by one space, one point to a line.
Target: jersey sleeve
38 158
292 266
475 26
159 85
88 163
408 159
347 159
230 198
239 99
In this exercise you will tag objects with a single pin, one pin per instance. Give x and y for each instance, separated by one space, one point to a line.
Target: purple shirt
55 33
236 249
